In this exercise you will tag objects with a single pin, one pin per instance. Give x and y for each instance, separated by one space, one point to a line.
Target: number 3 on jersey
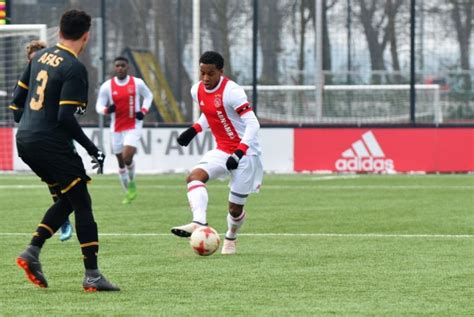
42 79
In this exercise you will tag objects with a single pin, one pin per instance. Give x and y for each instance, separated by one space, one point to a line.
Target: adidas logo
365 155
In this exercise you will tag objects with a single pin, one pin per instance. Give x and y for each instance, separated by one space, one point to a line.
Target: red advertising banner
384 150
6 149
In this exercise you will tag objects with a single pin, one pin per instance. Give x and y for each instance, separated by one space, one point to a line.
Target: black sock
52 220
86 228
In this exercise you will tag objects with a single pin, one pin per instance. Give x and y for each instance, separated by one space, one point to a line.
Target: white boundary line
270 186
296 235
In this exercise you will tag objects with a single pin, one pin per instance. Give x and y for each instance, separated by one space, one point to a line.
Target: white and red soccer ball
205 241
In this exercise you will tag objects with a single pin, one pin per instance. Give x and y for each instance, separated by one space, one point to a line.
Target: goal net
347 104
13 60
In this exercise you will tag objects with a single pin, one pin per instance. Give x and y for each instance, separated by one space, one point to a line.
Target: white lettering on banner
158 151
202 145
365 155
226 125
364 165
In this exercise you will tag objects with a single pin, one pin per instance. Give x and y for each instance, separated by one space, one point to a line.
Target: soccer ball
205 241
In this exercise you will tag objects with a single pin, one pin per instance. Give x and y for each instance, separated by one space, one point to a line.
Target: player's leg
123 174
198 199
235 219
211 166
245 180
127 154
87 234
28 260
130 142
117 148
66 227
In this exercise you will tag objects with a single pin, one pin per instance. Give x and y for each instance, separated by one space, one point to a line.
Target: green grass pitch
313 245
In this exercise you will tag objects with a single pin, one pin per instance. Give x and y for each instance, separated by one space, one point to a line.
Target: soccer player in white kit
226 111
119 97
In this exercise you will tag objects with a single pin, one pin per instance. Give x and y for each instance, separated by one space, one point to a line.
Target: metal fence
368 43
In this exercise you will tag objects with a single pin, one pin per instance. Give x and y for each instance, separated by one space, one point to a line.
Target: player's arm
73 95
244 110
188 135
103 100
201 124
147 96
20 94
68 122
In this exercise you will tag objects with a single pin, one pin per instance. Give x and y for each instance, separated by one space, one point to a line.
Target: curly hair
34 46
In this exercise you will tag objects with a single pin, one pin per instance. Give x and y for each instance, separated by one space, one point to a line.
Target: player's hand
110 109
98 159
185 138
139 115
233 160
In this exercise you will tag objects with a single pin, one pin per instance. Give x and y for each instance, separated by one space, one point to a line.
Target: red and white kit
125 95
226 111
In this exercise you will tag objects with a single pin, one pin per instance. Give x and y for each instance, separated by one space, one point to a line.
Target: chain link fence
364 43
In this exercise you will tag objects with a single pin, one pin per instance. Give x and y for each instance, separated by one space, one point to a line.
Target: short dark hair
211 57
74 23
121 58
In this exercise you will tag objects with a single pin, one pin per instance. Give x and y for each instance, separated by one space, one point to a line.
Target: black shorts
54 163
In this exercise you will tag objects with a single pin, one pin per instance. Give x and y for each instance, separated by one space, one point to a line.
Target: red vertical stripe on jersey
6 154
212 105
124 100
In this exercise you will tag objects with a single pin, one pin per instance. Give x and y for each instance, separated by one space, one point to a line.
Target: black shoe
32 267
98 284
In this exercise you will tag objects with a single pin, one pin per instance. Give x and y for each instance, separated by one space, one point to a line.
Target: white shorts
128 137
246 179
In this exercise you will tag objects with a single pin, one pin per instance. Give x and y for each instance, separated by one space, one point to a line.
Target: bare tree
391 8
176 74
270 24
377 30
462 15
327 63
220 21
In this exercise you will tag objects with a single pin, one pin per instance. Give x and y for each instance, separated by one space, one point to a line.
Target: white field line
290 235
269 186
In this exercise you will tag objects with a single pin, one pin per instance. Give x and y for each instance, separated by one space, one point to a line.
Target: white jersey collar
121 82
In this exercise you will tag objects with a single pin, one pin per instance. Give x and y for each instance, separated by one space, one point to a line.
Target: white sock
234 224
131 171
197 197
123 175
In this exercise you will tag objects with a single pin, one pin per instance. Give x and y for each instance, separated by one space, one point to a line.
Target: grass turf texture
312 245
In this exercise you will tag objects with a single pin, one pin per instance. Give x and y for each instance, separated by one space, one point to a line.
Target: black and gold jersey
54 78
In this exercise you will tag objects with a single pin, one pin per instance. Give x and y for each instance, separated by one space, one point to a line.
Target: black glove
110 109
185 138
234 159
139 115
98 159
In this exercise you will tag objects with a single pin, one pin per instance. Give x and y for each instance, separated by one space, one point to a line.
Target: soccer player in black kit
52 89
